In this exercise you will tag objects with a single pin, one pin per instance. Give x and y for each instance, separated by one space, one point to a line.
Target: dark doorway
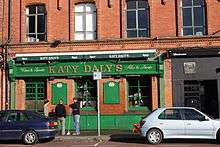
202 95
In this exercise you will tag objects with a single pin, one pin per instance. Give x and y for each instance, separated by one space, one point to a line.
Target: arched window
193 17
35 23
137 18
85 21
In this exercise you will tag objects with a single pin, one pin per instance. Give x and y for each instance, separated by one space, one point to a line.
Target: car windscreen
148 114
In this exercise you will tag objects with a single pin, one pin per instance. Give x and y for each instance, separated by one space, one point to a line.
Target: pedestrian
60 113
76 115
46 109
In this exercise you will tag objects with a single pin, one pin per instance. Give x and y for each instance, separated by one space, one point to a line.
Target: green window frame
86 92
139 93
35 94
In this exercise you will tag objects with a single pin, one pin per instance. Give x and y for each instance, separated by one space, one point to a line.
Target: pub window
139 92
86 92
193 17
137 18
35 23
35 94
85 22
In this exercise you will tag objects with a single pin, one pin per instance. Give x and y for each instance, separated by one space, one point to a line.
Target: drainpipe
7 101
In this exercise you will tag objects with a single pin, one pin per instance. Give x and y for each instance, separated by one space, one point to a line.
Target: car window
16 116
34 115
2 115
170 114
190 114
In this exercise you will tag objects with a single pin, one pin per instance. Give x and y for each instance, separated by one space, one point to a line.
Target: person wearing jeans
76 115
60 112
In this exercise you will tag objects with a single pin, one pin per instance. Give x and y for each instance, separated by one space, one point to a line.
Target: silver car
178 122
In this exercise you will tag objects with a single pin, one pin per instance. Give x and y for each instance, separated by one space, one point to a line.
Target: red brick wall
114 108
20 94
70 93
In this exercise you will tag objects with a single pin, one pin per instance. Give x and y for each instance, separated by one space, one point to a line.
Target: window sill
88 109
139 108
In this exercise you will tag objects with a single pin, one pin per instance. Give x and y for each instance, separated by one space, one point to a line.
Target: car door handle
161 123
188 123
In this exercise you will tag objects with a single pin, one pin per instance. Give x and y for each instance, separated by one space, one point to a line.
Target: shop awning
86 55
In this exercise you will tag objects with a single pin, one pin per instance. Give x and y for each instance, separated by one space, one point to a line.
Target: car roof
163 108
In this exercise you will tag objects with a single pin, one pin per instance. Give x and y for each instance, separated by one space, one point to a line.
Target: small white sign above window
59 85
189 67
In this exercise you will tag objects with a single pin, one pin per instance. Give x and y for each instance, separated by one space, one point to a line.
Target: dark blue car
27 126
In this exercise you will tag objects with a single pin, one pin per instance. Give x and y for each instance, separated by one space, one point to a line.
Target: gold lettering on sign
74 68
60 70
51 69
87 68
95 68
118 67
109 68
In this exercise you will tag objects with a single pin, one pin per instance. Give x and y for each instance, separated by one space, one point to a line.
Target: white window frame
85 11
36 33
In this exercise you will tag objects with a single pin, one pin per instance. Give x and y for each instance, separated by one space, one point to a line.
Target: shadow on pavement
136 138
127 138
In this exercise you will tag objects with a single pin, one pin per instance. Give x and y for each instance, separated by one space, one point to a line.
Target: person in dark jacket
76 115
60 113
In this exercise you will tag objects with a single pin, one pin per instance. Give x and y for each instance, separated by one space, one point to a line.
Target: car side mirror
203 118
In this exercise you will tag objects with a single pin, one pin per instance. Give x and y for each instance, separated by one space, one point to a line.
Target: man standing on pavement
76 115
60 113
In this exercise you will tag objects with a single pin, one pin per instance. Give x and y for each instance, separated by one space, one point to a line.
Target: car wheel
154 136
30 137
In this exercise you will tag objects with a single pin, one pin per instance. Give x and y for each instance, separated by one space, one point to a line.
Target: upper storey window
85 22
35 23
137 18
193 17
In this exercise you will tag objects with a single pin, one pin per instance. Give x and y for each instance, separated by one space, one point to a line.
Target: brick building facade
54 46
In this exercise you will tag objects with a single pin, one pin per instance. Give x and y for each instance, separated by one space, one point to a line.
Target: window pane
40 24
199 31
187 31
132 33
31 24
142 19
187 2
191 114
187 17
131 19
32 10
90 7
79 22
198 16
142 4
131 4
79 36
41 9
142 33
198 2
90 22
79 8
40 37
90 35
171 114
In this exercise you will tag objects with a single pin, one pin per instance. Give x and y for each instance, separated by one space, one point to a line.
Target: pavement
104 136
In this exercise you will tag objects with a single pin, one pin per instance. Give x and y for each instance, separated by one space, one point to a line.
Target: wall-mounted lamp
55 43
163 2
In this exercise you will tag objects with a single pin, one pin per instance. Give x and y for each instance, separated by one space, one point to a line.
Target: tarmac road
114 140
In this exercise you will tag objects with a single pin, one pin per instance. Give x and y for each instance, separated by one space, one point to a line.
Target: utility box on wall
59 92
111 92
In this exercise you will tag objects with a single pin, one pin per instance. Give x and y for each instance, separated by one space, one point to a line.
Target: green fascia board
107 68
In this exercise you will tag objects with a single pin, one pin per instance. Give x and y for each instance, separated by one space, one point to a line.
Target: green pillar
13 94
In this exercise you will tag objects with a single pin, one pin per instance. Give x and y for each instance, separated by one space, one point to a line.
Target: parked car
27 126
178 122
